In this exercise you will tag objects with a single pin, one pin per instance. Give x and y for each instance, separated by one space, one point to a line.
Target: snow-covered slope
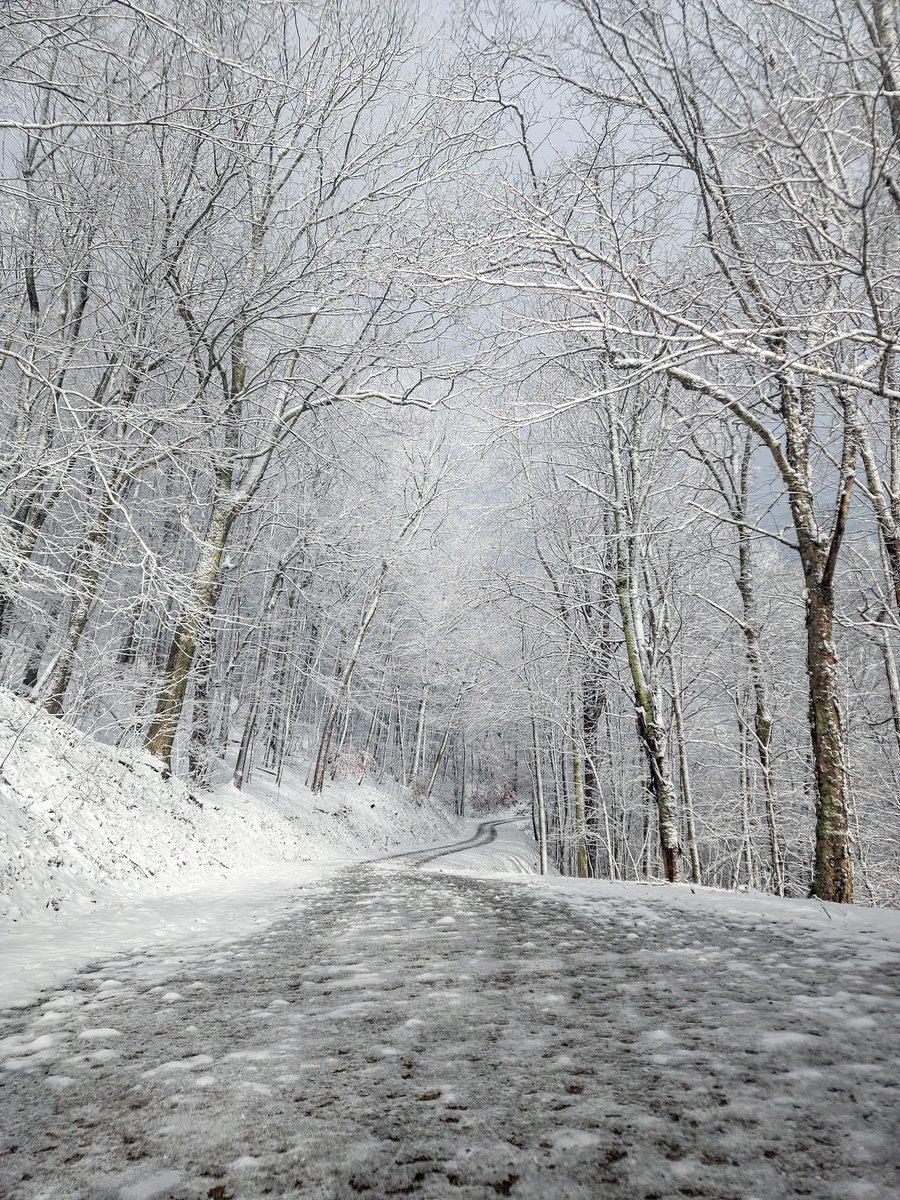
83 824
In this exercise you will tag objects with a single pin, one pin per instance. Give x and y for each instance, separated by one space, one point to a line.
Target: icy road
402 1031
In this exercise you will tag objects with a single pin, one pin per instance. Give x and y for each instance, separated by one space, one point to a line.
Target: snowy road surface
408 1032
485 834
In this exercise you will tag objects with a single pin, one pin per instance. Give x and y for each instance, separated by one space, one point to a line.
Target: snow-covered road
412 1032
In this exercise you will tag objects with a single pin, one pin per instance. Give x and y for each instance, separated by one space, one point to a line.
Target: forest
497 399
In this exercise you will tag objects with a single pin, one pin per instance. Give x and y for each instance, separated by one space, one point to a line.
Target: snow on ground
443 1033
98 850
512 851
327 1028
38 954
846 928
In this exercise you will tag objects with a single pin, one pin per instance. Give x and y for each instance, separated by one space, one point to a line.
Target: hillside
83 824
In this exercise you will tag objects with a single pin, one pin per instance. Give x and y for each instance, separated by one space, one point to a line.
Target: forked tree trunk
445 740
368 613
833 864
833 867
188 630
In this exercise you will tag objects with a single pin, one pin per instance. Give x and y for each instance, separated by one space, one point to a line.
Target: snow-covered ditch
98 850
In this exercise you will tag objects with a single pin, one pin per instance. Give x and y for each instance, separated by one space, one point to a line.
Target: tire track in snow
485 833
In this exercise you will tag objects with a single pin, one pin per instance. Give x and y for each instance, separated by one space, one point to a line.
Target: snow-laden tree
207 210
723 223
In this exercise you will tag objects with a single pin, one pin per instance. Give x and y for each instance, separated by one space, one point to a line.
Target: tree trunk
419 744
539 803
200 741
461 806
890 671
243 755
173 688
370 607
87 556
762 718
661 789
442 749
318 779
592 713
581 857
745 854
833 870
651 734
833 866
401 749
687 799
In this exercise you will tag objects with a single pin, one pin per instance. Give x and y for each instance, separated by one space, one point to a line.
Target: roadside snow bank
83 824
39 954
850 929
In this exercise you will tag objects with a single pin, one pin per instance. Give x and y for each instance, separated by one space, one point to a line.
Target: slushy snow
419 1020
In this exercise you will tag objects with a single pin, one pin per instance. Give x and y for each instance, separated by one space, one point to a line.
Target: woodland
501 400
